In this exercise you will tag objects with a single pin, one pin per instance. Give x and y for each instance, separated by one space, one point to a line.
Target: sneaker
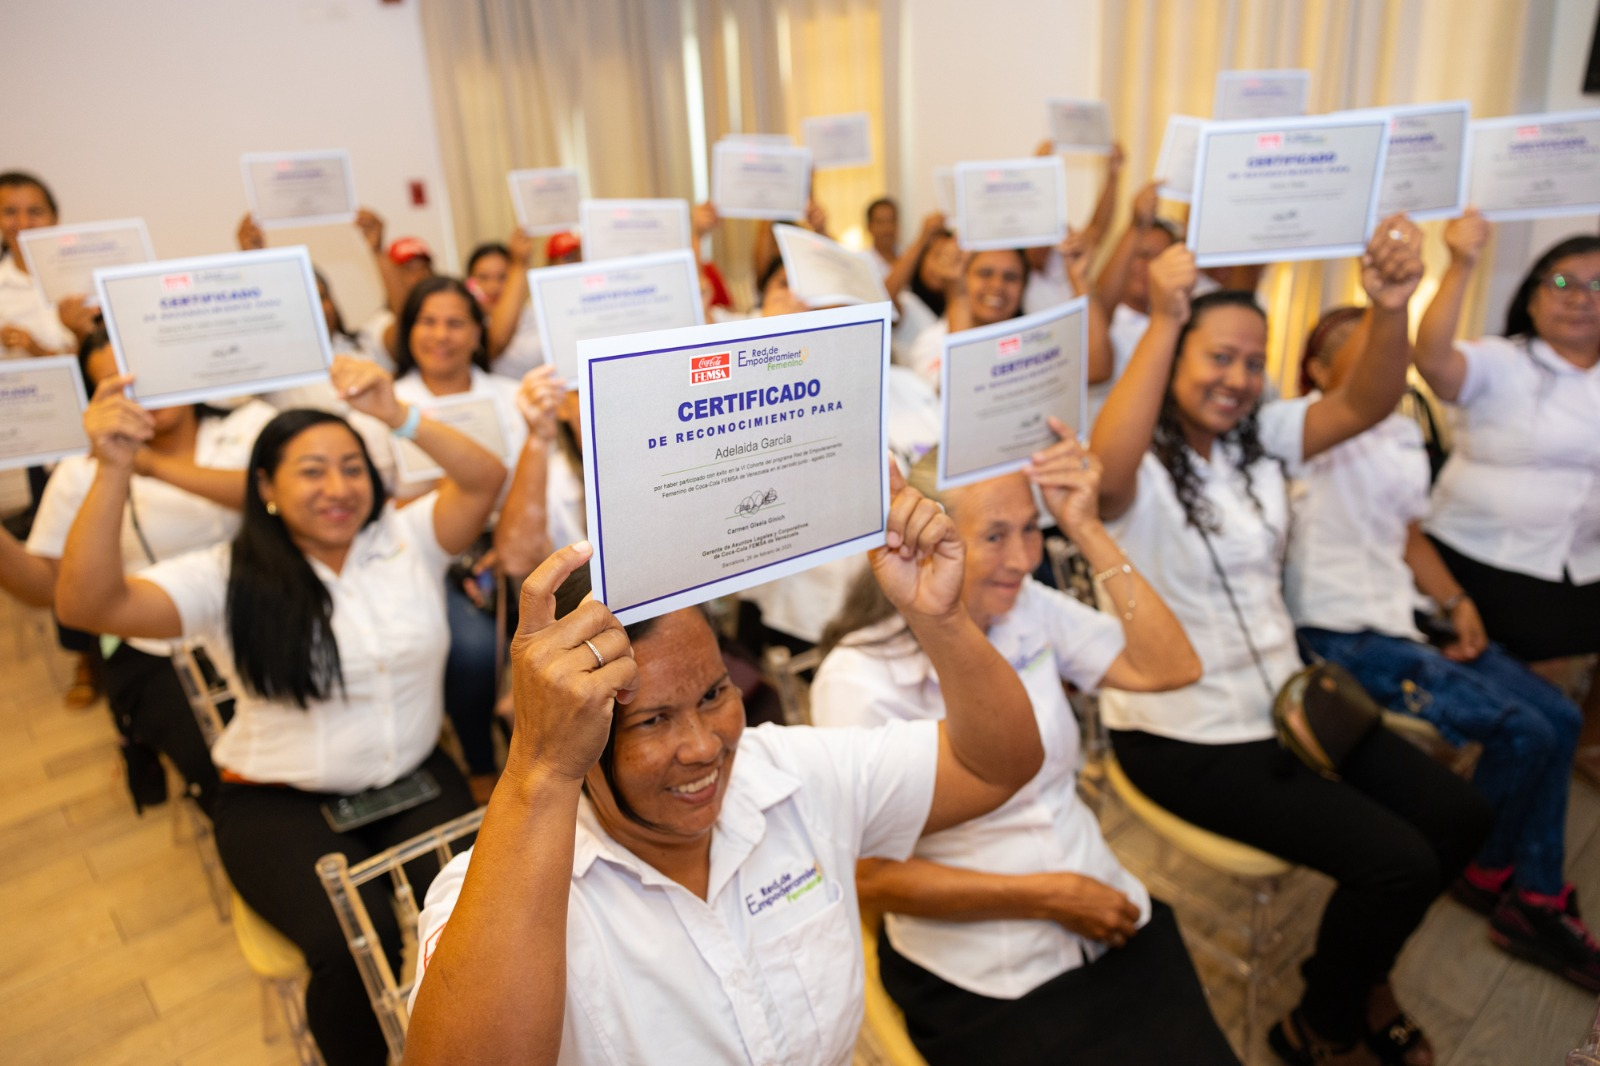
1554 938
1476 897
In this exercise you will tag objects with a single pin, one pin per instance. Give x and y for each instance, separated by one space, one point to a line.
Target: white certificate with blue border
1249 94
214 326
838 141
581 301
546 199
1281 190
1536 166
750 179
999 385
824 273
726 456
62 259
41 411
1175 164
1080 126
299 188
619 229
1011 203
1425 172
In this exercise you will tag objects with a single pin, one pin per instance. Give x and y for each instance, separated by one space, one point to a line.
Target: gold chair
342 882
282 970
784 670
883 1040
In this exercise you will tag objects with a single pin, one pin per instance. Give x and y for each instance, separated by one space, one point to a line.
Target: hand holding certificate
1080 126
476 416
1287 189
1012 203
583 301
1175 165
621 229
1536 166
299 188
62 259
765 181
838 141
725 456
545 200
1002 384
1247 94
824 273
41 411
220 325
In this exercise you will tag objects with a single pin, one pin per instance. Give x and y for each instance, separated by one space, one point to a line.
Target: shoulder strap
1216 564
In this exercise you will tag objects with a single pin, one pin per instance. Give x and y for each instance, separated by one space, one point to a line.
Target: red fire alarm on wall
419 194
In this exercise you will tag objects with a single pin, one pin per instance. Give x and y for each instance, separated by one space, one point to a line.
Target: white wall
144 108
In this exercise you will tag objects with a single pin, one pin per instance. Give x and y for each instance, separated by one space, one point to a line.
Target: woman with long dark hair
326 616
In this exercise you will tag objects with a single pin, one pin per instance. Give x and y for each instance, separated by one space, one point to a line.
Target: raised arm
1441 366
472 474
905 266
30 578
509 928
224 487
522 536
1390 271
92 592
1112 280
394 283
1105 208
507 311
1075 252
1127 422
989 740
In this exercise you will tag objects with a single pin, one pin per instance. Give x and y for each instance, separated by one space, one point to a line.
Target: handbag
1321 713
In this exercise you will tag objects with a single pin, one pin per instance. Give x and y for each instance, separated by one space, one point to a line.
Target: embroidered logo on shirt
789 887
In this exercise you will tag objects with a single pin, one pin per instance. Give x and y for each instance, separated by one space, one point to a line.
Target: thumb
539 590
897 480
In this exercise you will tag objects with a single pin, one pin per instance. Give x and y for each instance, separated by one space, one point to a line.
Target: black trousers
270 839
1141 1003
1393 833
151 710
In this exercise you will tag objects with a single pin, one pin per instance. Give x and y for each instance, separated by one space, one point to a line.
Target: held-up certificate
823 272
41 411
1425 173
1537 166
62 259
1287 189
1175 164
581 301
999 386
754 180
944 191
476 416
1080 126
218 325
1011 203
1247 94
616 229
725 456
838 141
299 188
545 200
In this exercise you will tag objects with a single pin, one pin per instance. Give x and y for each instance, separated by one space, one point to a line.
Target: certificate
1001 383
1537 166
725 456
1425 173
1287 189
944 190
1011 203
299 188
218 325
760 138
753 180
616 229
62 259
476 416
545 200
1175 164
1246 94
838 141
582 301
41 411
1080 126
825 273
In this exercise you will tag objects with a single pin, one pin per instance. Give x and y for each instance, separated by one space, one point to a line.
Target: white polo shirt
1048 287
171 520
927 352
1126 329
389 622
767 968
1521 490
1229 704
23 307
915 317
1353 504
1045 827
525 349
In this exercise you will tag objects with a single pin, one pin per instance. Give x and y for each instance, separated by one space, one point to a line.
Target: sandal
1307 1049
1396 1040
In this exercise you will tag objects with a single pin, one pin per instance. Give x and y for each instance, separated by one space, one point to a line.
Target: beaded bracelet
1106 575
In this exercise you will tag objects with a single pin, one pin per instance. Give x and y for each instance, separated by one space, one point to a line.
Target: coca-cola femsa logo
707 368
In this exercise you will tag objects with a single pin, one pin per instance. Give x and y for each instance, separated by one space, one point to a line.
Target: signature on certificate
756 501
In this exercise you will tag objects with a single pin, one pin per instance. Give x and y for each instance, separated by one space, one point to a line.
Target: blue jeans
470 682
1528 730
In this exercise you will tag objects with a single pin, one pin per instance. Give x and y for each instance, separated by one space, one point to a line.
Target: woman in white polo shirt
653 882
1194 491
1516 511
326 616
1018 938
28 325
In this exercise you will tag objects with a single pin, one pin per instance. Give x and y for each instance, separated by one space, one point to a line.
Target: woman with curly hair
1194 490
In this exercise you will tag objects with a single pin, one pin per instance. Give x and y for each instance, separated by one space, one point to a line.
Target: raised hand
703 219
1172 279
249 235
76 314
117 427
367 388
520 245
371 227
1144 205
538 396
1392 265
921 565
1068 476
1466 236
1074 252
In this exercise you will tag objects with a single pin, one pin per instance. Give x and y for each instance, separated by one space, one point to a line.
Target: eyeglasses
1561 284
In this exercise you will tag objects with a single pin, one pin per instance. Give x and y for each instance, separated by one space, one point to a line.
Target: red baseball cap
560 244
405 249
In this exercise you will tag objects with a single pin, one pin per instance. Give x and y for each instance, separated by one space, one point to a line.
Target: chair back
786 671
343 881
